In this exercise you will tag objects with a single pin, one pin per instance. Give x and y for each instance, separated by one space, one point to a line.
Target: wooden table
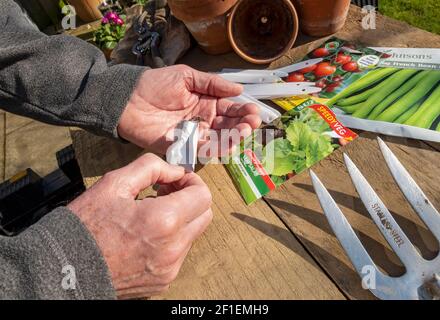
282 247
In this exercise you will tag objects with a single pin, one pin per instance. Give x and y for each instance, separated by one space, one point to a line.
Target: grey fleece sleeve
64 81
59 79
55 258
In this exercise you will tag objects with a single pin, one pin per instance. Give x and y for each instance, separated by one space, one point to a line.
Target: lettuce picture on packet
288 146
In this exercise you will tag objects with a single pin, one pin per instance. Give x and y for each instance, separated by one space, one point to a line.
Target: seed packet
286 147
393 91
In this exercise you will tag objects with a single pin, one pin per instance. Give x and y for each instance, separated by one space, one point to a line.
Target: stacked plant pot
322 17
206 20
262 31
87 10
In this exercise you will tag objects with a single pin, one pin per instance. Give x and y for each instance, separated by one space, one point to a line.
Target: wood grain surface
297 205
282 246
246 253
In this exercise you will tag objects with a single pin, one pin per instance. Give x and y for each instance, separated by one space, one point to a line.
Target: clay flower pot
199 10
322 17
87 10
261 31
207 22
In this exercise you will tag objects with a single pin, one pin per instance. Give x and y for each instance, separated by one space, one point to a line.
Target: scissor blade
280 90
300 65
383 218
415 196
250 78
384 286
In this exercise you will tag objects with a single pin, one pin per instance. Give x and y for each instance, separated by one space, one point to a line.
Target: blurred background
423 14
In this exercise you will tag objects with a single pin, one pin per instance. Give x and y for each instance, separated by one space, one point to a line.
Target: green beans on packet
393 91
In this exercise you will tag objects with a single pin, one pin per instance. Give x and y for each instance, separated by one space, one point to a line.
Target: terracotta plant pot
199 10
207 22
87 10
262 31
322 17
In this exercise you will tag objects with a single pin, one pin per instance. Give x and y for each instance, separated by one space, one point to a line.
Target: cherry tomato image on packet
321 83
338 78
295 77
332 87
324 69
351 66
342 58
321 52
308 69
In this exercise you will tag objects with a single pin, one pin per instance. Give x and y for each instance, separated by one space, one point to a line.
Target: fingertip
233 149
225 89
242 110
253 120
245 130
177 172
237 89
250 108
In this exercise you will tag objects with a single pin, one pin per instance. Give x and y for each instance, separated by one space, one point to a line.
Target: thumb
214 85
147 170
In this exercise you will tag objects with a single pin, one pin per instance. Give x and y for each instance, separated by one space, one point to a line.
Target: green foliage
423 14
108 35
61 4
305 144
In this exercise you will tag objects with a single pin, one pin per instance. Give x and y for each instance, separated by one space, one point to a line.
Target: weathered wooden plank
297 205
27 147
247 252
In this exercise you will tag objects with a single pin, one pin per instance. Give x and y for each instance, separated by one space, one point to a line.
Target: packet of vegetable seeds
286 147
393 91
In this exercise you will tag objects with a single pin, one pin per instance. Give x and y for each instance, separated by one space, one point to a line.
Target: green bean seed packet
393 91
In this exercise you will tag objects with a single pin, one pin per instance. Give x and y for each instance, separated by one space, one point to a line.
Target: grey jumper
59 80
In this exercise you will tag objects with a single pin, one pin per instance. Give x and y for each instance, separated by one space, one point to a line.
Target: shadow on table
413 143
381 253
282 235
420 236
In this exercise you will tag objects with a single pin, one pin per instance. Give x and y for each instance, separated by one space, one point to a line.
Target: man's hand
145 242
164 97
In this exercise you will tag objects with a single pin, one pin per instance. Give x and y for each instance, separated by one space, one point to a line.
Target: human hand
145 242
164 97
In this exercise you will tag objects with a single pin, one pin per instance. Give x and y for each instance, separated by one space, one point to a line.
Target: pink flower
104 20
119 21
112 16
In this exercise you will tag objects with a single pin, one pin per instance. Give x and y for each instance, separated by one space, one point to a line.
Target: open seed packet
286 147
393 91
